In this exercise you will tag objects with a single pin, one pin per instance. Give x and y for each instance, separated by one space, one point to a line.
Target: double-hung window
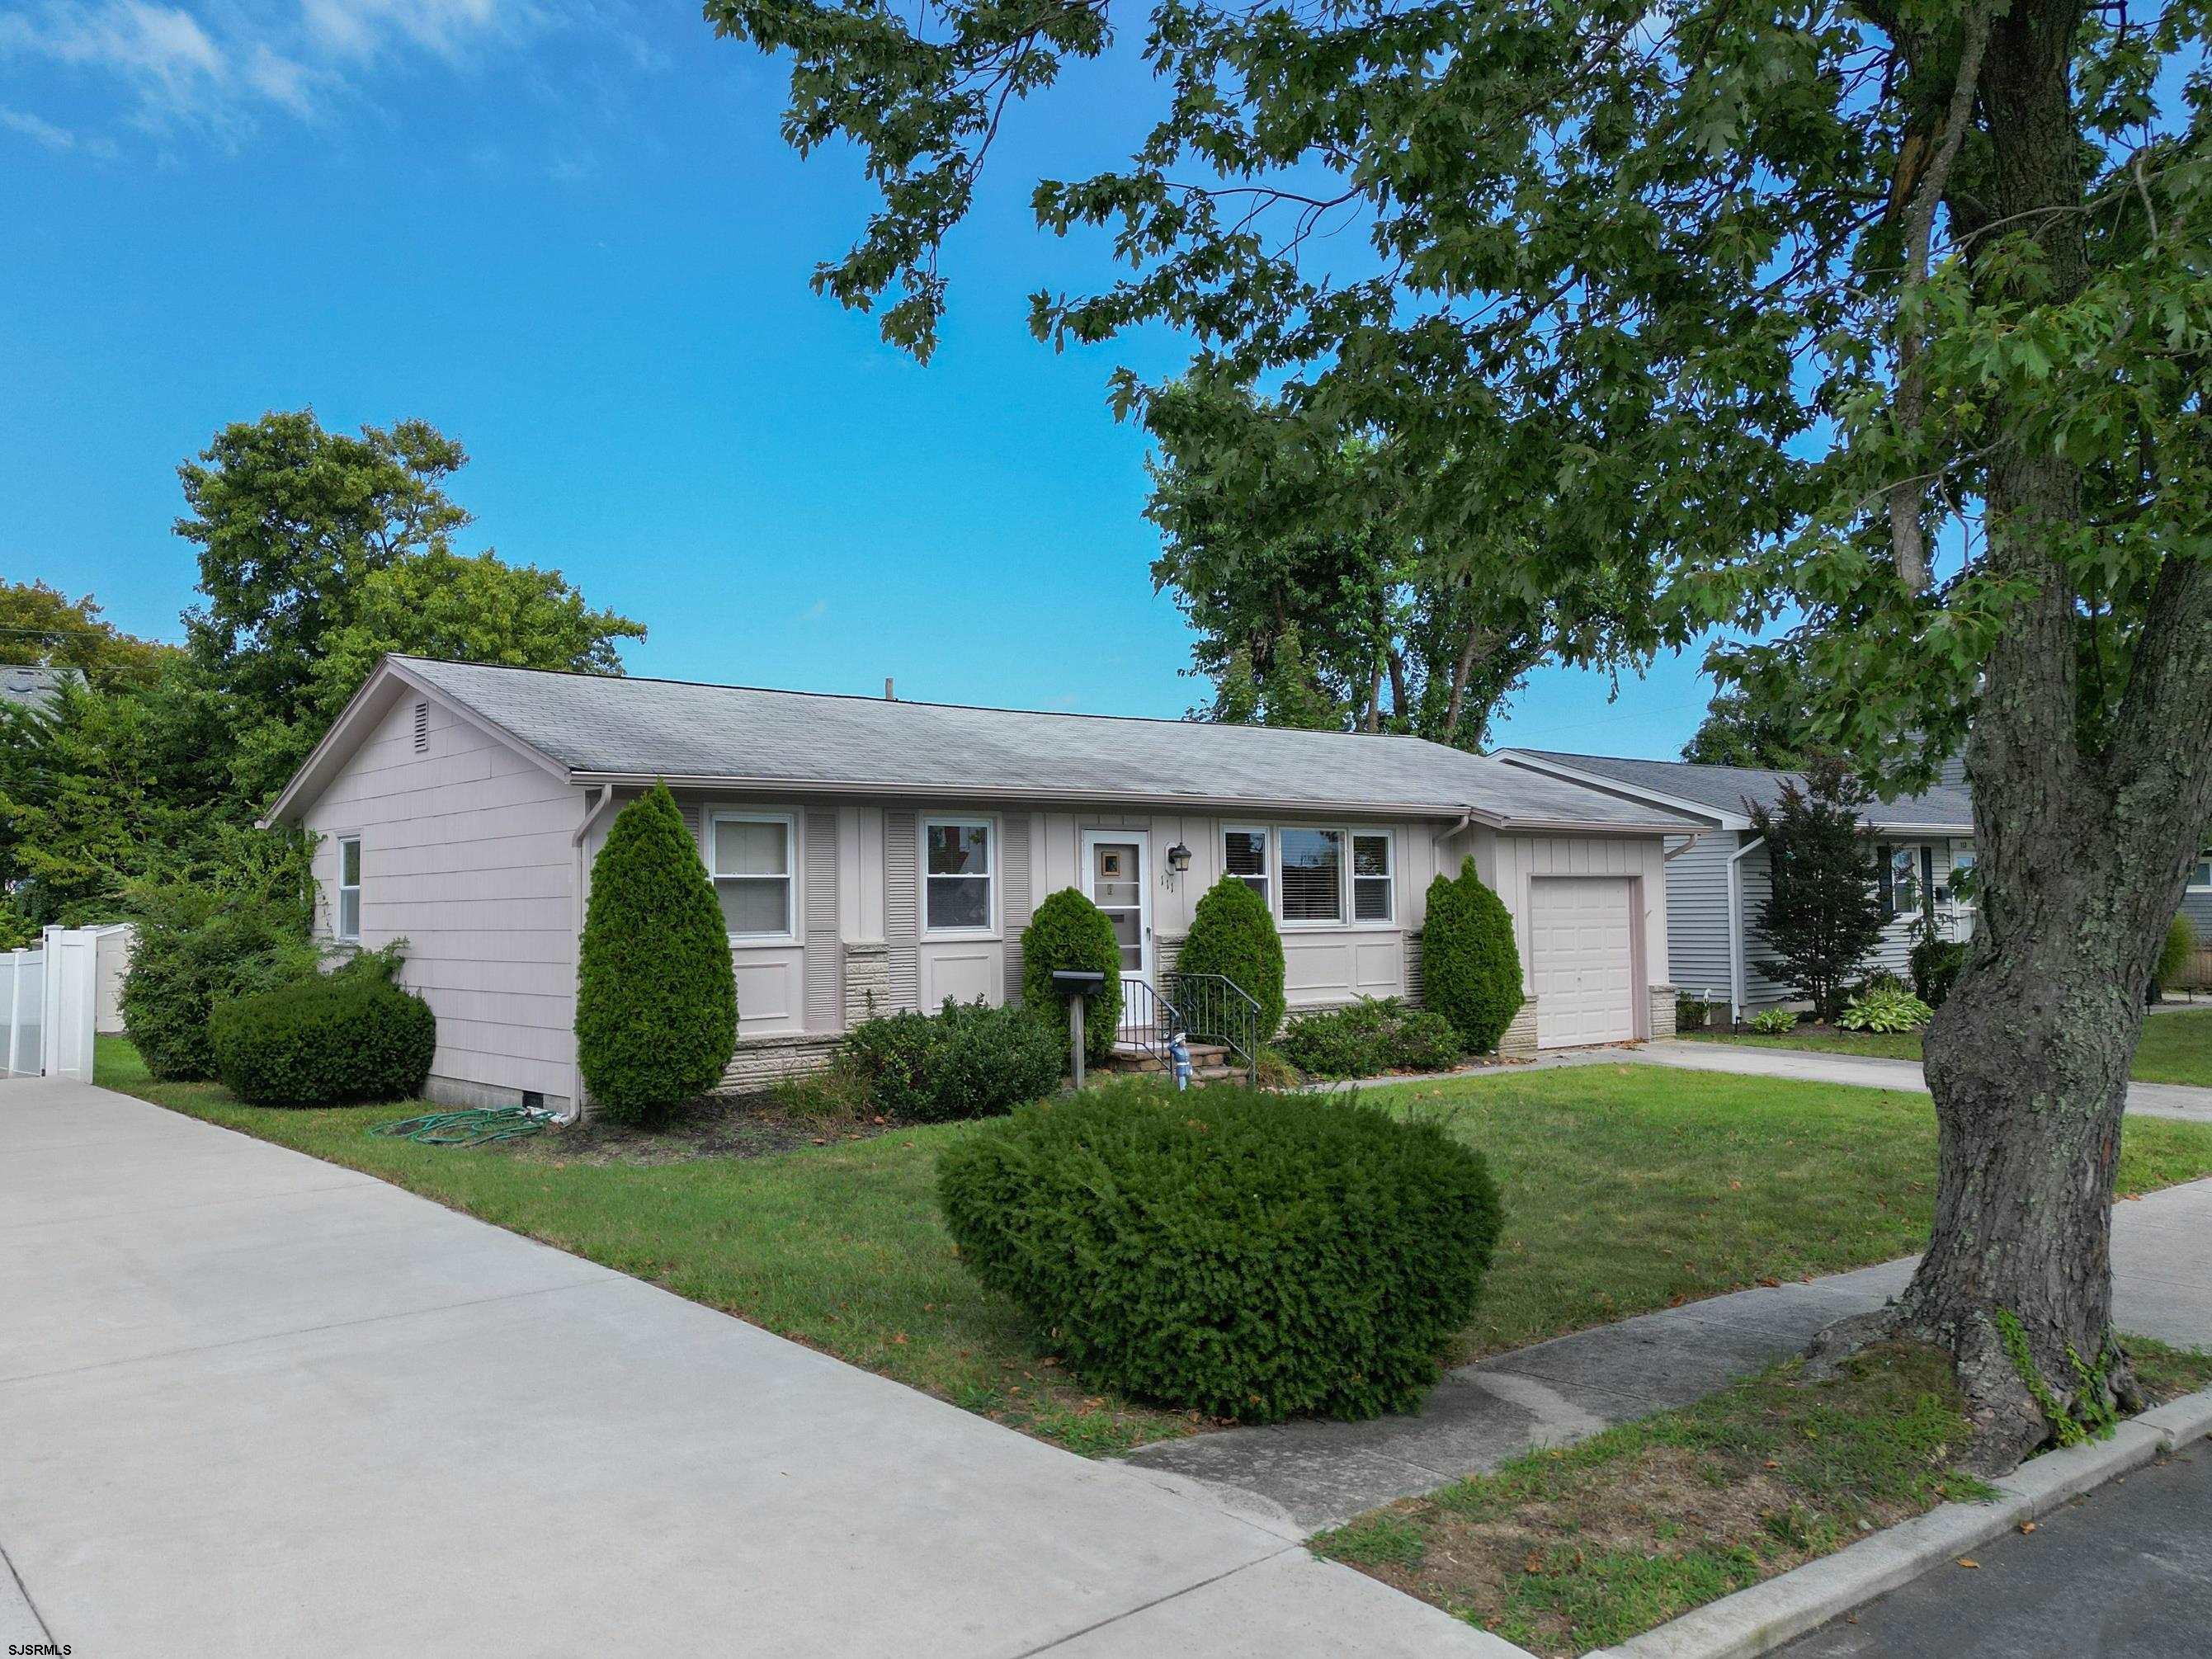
1313 874
957 871
1906 878
349 888
1244 856
2200 878
749 858
1371 876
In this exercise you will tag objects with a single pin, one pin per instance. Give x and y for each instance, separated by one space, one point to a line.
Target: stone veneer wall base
1519 1041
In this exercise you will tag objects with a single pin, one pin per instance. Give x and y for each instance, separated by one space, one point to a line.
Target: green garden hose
474 1127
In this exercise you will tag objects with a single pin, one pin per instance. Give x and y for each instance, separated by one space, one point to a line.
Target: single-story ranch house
1715 884
872 855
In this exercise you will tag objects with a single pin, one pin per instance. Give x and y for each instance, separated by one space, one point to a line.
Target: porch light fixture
1178 858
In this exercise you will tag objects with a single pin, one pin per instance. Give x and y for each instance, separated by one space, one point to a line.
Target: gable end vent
422 728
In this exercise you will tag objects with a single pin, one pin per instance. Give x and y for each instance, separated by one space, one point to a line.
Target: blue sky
569 234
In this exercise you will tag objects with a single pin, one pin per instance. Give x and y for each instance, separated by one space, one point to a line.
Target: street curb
1761 1619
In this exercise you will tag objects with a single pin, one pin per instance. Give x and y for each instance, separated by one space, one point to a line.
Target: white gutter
1735 926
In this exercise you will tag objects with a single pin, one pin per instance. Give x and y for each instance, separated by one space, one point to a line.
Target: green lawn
1570 1549
1627 1189
2175 1048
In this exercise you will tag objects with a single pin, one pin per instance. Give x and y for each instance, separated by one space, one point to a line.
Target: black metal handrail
1148 1020
1215 1009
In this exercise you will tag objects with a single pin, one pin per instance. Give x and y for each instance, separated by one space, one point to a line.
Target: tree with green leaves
1309 610
1738 731
1821 917
1889 316
42 625
319 552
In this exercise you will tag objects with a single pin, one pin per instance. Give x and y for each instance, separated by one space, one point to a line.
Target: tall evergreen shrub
1069 931
1470 966
656 1000
1822 917
1232 934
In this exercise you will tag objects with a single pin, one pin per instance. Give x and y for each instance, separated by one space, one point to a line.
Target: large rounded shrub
656 997
1470 966
2174 952
1227 1251
1232 934
196 948
1369 1038
329 1040
1068 931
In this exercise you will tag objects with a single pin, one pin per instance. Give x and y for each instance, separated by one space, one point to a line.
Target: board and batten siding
1511 864
466 854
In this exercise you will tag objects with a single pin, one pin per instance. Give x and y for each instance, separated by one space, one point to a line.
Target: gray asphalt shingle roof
1727 788
679 730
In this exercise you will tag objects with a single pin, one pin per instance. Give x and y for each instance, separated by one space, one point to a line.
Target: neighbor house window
349 887
1313 874
1371 878
1244 856
2200 878
750 860
956 873
1958 889
1907 874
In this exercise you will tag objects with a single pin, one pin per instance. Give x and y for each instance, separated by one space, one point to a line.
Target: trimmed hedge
1470 966
329 1040
1246 1255
1371 1035
969 1060
1069 931
1232 934
656 997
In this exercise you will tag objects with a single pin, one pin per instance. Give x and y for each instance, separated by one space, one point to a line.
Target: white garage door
1583 963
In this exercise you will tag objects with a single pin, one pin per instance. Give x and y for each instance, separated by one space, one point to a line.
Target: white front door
1114 877
1582 960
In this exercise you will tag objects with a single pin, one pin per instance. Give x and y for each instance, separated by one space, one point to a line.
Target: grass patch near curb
1578 1547
2175 1048
1625 1188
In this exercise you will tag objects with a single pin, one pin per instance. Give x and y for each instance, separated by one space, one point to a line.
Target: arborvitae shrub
1470 966
1232 934
656 998
1068 931
1227 1251
328 1040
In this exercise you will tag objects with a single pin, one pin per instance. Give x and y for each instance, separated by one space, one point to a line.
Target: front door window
1117 887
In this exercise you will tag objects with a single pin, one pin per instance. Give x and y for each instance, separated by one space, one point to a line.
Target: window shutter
1883 853
1927 881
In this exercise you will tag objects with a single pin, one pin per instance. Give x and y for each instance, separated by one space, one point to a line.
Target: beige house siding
467 855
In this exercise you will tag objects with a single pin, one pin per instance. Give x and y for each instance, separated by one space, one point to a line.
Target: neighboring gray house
33 686
876 855
1716 882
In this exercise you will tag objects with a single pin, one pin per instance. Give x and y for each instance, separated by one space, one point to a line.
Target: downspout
1735 926
592 814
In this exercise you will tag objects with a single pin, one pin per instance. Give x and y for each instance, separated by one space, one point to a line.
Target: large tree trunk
2082 850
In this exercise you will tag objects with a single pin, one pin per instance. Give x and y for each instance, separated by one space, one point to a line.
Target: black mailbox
1083 980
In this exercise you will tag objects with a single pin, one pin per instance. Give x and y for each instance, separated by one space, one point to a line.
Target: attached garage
1585 963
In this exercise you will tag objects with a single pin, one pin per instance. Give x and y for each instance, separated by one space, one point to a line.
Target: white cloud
37 131
223 65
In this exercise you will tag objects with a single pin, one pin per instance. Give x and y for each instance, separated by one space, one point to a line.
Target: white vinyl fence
47 998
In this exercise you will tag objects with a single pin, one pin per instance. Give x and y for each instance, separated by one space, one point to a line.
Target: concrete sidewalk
1317 1475
1863 1072
251 1403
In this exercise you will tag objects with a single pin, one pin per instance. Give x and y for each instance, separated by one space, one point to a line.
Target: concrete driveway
1865 1072
251 1403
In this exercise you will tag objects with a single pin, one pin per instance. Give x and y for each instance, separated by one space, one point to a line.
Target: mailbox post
1079 986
